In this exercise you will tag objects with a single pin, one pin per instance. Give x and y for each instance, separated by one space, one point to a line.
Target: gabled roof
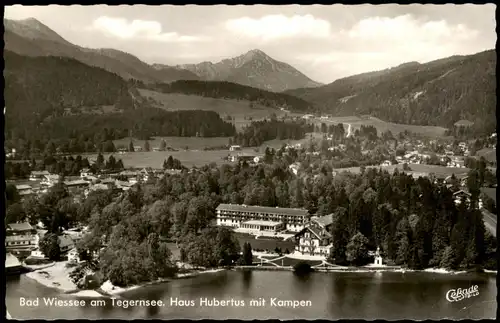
65 241
323 221
20 226
315 230
462 192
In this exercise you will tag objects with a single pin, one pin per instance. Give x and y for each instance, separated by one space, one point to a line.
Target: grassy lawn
382 126
224 107
195 143
415 168
261 244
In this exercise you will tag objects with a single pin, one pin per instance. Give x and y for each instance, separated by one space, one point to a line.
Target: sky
325 42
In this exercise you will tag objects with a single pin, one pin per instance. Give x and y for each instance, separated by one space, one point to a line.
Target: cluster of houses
88 181
22 239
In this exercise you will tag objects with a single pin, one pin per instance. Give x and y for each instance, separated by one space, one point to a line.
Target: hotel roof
262 209
20 226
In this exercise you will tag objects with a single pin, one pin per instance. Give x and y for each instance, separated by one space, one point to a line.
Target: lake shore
56 275
366 269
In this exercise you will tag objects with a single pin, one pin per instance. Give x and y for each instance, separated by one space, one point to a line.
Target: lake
373 295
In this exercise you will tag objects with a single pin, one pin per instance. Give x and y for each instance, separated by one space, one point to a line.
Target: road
490 221
349 130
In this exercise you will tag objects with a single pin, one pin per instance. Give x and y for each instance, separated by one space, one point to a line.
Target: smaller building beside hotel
315 239
269 226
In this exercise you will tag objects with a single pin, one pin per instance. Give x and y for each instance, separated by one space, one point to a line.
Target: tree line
257 132
228 90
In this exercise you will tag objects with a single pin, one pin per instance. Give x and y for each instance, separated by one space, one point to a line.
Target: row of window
12 243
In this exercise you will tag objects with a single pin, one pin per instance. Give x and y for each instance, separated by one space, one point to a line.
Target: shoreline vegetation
56 275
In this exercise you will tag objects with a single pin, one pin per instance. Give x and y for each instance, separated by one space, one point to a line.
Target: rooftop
40 173
20 226
23 187
324 221
74 183
464 123
261 209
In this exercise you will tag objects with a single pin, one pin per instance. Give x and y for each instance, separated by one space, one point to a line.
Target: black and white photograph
250 162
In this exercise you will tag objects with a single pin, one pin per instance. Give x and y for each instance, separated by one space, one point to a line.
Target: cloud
139 29
377 43
408 29
279 26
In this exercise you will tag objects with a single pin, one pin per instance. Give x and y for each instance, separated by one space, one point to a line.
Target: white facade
234 215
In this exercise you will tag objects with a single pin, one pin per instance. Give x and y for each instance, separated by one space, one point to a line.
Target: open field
224 107
382 126
188 158
415 168
277 143
176 142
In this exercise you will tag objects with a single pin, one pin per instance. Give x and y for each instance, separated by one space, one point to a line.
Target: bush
37 261
302 268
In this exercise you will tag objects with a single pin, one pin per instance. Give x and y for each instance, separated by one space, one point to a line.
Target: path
349 130
490 221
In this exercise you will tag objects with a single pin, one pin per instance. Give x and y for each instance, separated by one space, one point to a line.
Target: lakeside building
315 239
50 180
86 172
38 175
20 237
240 216
24 190
12 264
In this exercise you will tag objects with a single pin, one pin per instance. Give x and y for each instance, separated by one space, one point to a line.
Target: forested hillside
40 88
436 93
227 90
58 97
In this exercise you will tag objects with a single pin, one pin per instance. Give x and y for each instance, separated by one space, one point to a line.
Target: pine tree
247 254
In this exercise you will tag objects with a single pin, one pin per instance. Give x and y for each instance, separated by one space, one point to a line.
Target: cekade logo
455 295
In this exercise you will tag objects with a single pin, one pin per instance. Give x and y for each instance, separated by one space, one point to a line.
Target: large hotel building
261 217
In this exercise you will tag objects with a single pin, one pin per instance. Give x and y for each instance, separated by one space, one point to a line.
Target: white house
235 148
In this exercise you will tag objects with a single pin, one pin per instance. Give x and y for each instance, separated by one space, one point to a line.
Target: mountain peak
255 53
32 28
